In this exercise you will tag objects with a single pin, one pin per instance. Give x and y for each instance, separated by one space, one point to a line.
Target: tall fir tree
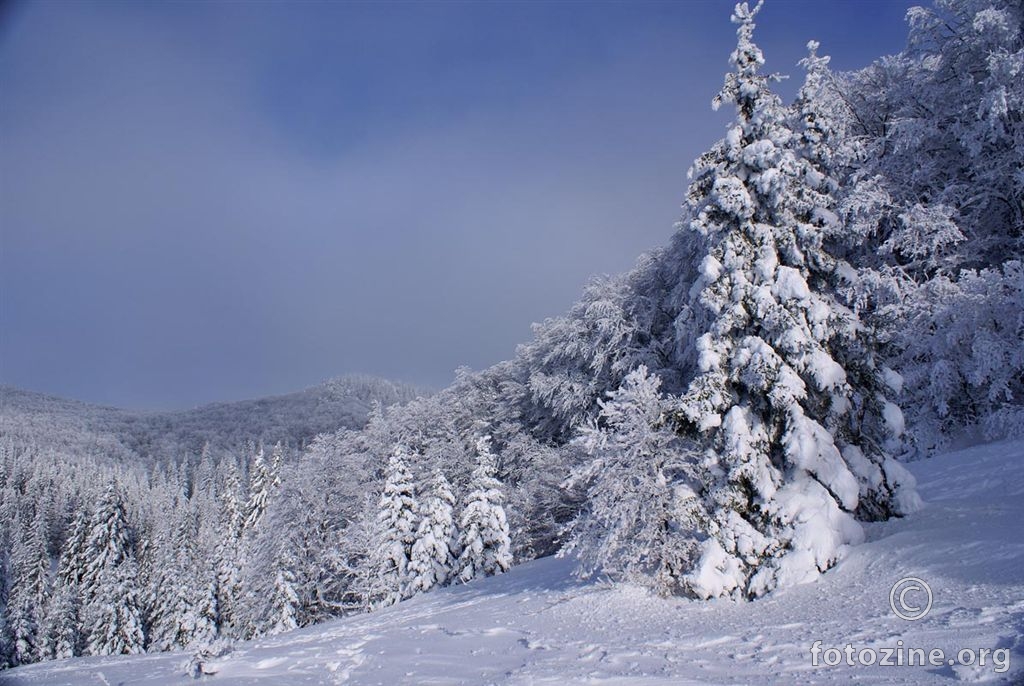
109 542
71 565
433 557
261 482
30 590
397 513
115 613
285 599
769 399
60 630
484 543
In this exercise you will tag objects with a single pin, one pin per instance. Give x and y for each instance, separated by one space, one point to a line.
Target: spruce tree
285 599
261 481
432 555
769 399
396 532
60 630
71 566
228 553
30 591
115 614
484 544
109 542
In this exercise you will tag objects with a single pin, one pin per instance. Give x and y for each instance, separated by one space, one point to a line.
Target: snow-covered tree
396 532
770 400
203 614
261 482
285 599
432 556
30 590
115 612
109 543
228 551
484 544
935 210
71 567
60 635
643 516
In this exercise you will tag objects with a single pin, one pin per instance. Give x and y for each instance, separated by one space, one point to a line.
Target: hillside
537 624
295 418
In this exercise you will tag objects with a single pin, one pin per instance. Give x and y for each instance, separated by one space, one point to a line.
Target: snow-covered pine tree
228 552
71 565
109 542
189 612
769 396
483 530
203 620
276 460
261 481
115 613
432 556
395 532
29 592
643 515
6 648
60 633
285 600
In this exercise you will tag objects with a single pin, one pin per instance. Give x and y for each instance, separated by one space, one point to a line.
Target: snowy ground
538 625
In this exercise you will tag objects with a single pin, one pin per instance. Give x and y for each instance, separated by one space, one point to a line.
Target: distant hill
49 422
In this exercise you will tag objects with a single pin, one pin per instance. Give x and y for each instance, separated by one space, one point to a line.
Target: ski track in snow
538 625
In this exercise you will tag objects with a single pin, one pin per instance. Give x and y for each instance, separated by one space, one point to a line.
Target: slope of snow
537 624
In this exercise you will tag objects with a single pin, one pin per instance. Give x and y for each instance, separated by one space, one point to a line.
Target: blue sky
211 201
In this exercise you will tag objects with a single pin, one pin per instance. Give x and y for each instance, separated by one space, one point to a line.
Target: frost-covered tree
285 599
396 532
484 544
115 612
203 614
228 551
71 567
770 400
433 559
60 631
642 519
30 590
261 482
934 205
6 650
109 543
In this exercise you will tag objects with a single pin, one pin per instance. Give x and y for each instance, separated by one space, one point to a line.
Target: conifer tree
395 532
109 541
261 481
71 566
115 613
432 556
30 591
227 557
60 634
769 397
485 547
285 601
